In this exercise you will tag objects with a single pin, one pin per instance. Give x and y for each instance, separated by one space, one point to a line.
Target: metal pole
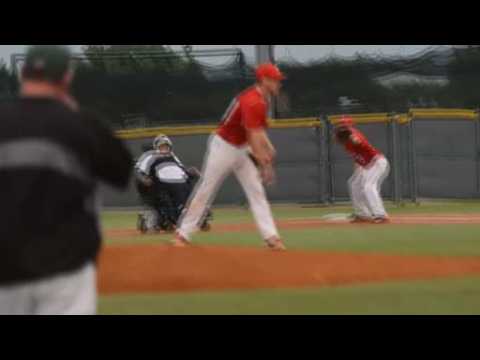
413 161
13 65
389 155
394 154
477 150
322 168
330 165
264 54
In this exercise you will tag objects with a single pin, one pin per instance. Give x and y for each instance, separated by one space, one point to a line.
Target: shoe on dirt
276 245
355 219
381 220
179 241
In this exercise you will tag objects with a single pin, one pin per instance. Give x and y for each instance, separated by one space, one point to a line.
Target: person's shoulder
146 155
26 109
357 132
50 110
10 105
250 93
358 137
94 119
252 97
7 106
90 114
149 153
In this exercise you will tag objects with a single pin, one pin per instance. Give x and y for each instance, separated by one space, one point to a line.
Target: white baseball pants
221 160
365 188
66 294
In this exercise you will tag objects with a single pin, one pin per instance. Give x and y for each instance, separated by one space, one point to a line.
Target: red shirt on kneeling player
366 182
356 144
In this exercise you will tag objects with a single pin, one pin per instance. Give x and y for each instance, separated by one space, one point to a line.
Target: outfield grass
461 296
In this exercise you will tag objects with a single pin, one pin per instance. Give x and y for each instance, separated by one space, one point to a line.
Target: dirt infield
292 224
147 269
160 268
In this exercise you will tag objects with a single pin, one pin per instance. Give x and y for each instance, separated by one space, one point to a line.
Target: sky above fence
301 53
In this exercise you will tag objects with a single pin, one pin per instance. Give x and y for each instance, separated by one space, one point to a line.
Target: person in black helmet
164 185
53 154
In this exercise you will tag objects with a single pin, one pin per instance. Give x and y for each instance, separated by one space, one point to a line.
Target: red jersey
247 111
362 151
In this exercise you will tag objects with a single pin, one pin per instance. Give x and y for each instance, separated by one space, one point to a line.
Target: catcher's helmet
162 140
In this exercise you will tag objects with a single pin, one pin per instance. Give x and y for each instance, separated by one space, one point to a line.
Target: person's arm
262 148
144 179
255 122
112 163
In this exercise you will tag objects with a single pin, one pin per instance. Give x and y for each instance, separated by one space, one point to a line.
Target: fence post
395 159
320 134
330 165
263 54
477 150
413 162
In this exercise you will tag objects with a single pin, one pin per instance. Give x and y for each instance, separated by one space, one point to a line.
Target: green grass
441 297
460 296
127 219
403 240
454 240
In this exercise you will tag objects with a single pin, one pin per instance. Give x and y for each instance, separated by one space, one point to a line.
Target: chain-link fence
133 87
152 85
326 84
433 154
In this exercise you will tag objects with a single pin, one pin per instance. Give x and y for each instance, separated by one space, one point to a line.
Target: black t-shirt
51 161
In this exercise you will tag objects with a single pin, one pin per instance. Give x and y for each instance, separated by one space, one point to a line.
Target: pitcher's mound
134 269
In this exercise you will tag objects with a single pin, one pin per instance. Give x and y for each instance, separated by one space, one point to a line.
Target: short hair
47 63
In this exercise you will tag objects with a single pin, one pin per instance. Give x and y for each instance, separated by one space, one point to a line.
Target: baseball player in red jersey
371 169
240 145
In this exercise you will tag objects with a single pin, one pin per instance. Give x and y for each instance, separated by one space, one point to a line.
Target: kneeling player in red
371 169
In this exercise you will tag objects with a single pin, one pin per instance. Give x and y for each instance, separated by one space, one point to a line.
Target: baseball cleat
276 244
206 227
360 220
381 220
180 242
142 224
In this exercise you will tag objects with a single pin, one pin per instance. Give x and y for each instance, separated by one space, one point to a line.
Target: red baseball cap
270 71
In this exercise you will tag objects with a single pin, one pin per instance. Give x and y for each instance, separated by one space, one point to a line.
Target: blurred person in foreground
52 156
240 145
371 170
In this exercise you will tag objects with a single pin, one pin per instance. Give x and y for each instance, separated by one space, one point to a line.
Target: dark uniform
52 159
171 184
